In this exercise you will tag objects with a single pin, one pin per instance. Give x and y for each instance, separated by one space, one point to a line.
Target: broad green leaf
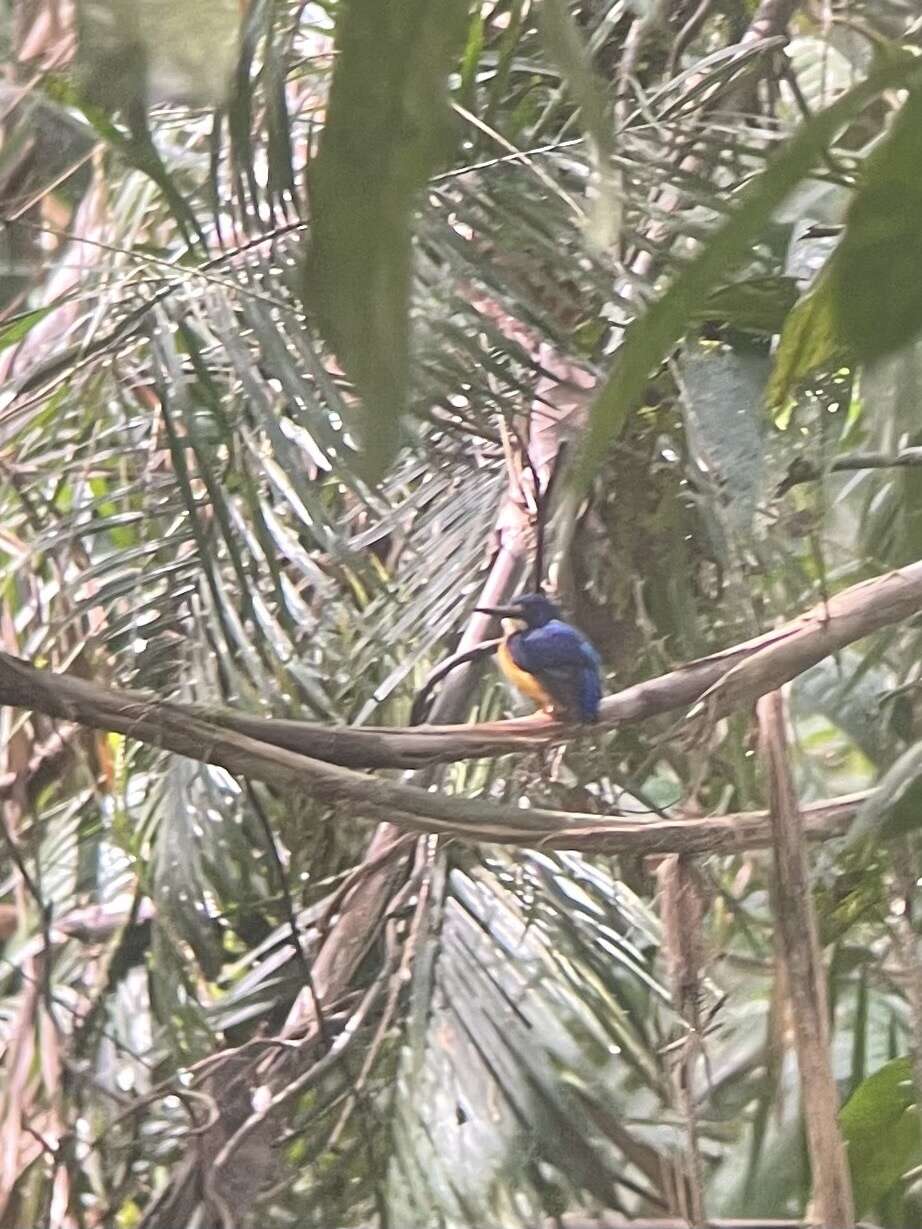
880 1123
877 271
387 128
648 341
808 342
755 305
185 514
895 807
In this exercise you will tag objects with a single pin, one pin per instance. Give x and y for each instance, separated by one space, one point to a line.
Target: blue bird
551 662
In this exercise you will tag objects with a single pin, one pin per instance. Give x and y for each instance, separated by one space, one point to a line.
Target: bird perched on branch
547 659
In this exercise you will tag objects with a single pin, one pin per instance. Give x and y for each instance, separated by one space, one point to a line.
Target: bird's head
528 609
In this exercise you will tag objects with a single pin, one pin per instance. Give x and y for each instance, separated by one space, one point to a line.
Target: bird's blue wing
555 644
565 662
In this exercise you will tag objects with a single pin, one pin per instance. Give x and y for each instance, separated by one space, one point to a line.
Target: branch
249 745
421 701
593 834
803 470
770 19
176 728
806 977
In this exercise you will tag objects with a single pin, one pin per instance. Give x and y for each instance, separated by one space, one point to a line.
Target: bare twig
740 675
642 29
803 470
533 827
685 36
421 700
372 890
259 1122
399 980
806 978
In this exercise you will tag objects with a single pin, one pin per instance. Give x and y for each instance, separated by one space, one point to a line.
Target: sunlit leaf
182 512
880 1123
809 341
20 326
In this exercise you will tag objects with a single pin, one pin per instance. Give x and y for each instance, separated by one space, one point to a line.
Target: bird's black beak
501 612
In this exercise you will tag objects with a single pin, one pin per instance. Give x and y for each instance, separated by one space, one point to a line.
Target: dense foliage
277 395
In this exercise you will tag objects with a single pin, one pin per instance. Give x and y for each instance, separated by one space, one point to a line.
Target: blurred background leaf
135 54
876 273
184 510
387 129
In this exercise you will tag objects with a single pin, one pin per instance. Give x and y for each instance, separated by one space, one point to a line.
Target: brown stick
683 908
806 978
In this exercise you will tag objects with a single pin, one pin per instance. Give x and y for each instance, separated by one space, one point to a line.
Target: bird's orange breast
527 683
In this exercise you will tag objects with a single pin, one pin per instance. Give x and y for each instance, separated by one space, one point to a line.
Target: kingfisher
547 659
